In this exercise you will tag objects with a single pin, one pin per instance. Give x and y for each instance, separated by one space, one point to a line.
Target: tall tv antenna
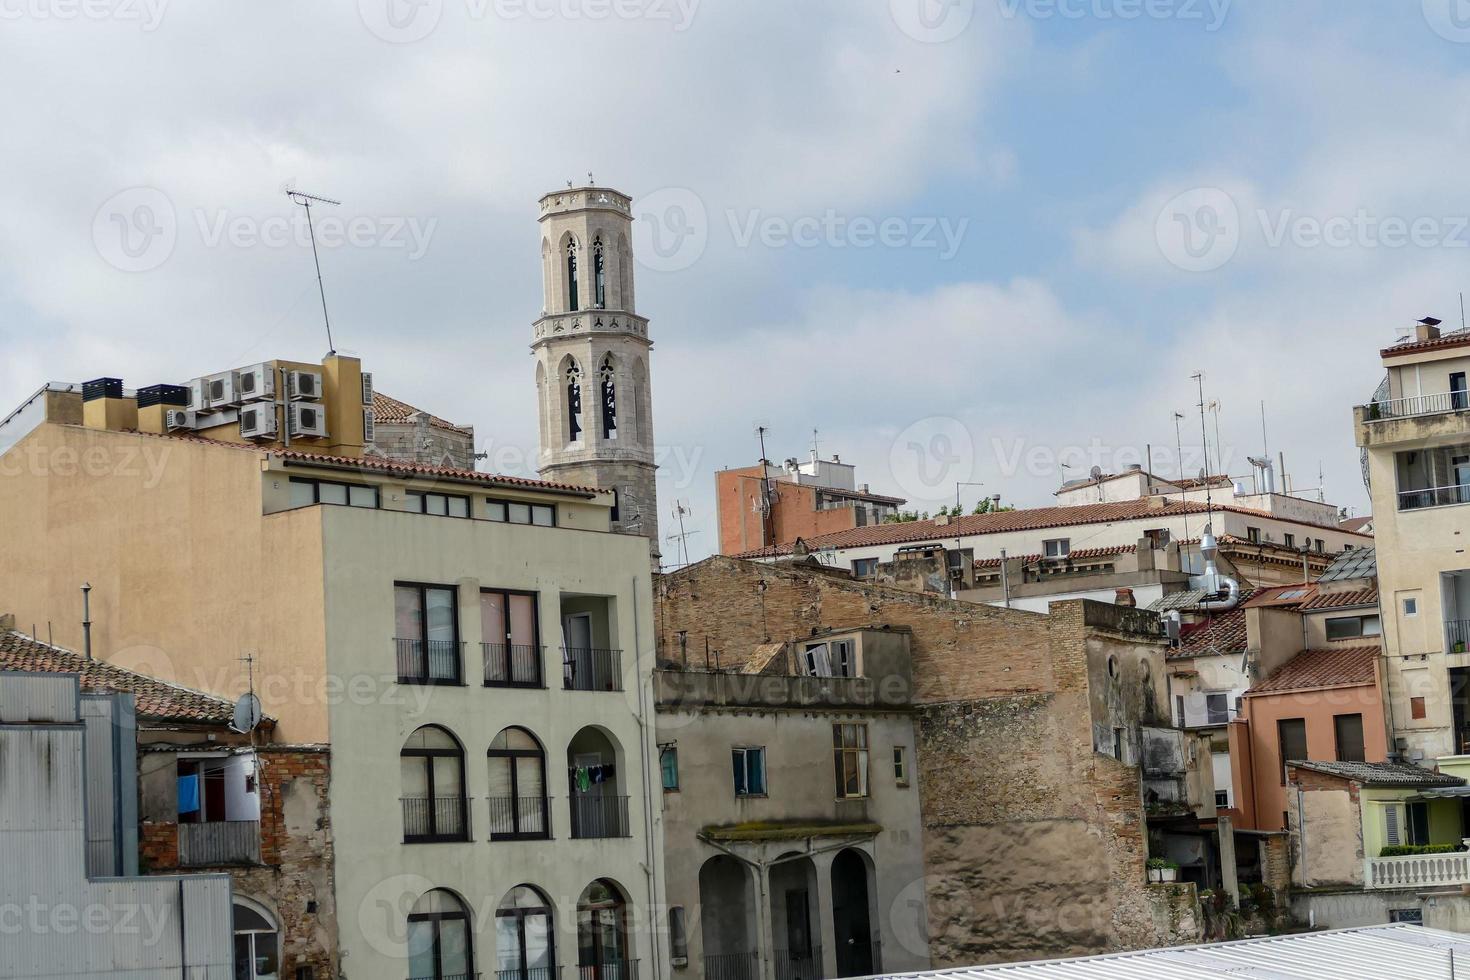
306 200
680 509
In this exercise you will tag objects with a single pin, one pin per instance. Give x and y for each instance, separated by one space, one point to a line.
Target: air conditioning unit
367 425
176 420
306 385
221 390
256 382
197 401
367 388
308 420
258 421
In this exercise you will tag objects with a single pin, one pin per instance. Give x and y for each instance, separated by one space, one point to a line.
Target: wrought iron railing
1435 403
429 661
599 816
436 818
219 842
512 664
612 970
520 817
732 966
794 964
1434 497
592 669
529 973
1457 634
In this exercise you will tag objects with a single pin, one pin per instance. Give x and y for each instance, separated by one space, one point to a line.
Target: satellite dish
247 714
1096 473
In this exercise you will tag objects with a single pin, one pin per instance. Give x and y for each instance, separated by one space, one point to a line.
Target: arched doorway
257 942
852 922
439 945
602 934
795 924
595 795
525 944
726 920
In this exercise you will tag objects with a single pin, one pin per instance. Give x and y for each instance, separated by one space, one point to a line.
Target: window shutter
1391 833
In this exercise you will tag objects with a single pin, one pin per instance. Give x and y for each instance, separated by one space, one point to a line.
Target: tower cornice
585 199
584 323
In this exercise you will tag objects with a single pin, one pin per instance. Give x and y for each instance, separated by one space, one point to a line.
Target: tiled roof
1310 669
1080 555
1342 600
1356 524
156 699
1283 595
1455 338
377 464
1382 773
1358 563
1032 519
391 411
1219 635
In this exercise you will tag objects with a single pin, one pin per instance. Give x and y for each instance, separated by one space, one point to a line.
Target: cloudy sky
965 240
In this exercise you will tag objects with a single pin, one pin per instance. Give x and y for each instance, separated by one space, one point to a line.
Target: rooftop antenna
305 200
769 517
680 509
1219 460
1199 380
816 455
1179 461
590 181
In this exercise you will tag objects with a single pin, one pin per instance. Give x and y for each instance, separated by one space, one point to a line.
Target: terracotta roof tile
1283 595
1342 600
156 699
1079 555
1347 667
1455 338
1221 634
391 411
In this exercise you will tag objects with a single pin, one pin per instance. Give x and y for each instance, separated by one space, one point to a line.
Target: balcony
732 966
530 973
203 845
429 662
1418 870
799 965
595 817
592 669
1434 497
512 665
1436 403
615 970
432 820
520 818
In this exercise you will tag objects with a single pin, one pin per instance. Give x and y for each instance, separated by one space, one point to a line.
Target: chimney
1124 597
1427 329
104 405
1158 502
155 402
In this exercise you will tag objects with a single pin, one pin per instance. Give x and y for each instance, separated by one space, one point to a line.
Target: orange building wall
794 512
1262 800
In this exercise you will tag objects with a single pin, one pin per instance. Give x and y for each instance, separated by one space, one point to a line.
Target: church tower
592 352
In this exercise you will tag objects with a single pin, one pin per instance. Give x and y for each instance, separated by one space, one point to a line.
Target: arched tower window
599 276
572 301
609 399
574 402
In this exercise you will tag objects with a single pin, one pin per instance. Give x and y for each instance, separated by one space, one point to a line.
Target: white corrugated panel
37 698
1403 952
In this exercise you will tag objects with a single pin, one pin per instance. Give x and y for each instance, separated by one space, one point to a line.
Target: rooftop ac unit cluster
250 393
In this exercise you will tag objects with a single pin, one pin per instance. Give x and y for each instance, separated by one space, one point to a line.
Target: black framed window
599 275
525 943
1291 738
426 633
1348 731
573 300
519 806
305 492
431 770
510 630
749 765
438 504
520 512
439 938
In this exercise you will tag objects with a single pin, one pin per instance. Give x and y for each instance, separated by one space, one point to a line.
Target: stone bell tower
592 350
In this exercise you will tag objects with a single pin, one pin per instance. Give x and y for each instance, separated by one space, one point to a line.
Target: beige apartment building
1415 436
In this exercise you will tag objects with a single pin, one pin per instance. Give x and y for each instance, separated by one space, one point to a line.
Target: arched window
609 399
525 946
439 946
574 402
641 408
595 786
625 274
572 302
257 942
432 773
519 809
599 275
602 933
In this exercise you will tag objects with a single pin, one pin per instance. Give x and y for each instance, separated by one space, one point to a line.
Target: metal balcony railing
613 970
429 662
599 816
1434 497
1435 403
449 976
219 842
591 669
799 964
530 973
520 817
1456 631
512 665
732 966
435 819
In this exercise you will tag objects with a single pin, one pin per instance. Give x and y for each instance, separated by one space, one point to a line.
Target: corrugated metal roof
1401 951
1382 773
1358 563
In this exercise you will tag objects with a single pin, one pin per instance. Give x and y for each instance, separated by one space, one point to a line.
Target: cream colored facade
201 553
1417 440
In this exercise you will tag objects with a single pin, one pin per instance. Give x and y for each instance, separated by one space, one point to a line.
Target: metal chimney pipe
87 619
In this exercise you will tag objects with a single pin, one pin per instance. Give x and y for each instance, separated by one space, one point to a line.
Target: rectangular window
1217 709
1057 547
1417 710
1222 798
863 567
438 504
1349 732
749 765
1253 535
850 760
1118 745
426 631
844 658
1419 823
1289 540
817 660
678 936
1411 607
1411 917
518 512
1321 547
900 765
668 764
1352 627
307 492
1291 738
510 636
